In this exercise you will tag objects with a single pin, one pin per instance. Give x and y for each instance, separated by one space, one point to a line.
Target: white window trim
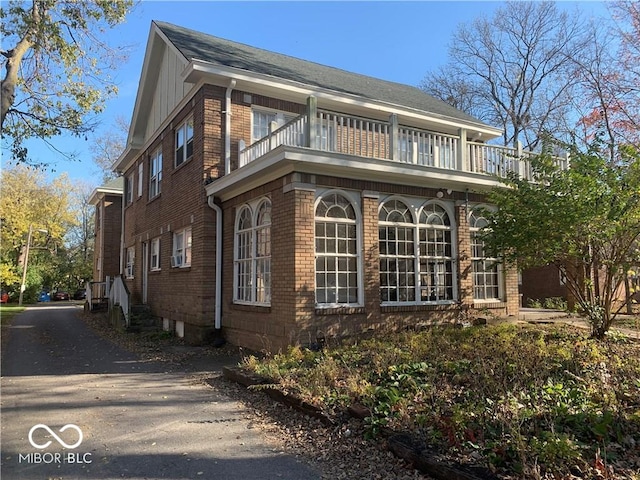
500 269
183 127
286 117
155 163
155 247
254 208
128 194
130 262
140 177
356 202
178 255
416 205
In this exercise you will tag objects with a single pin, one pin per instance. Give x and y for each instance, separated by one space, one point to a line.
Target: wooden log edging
248 379
400 444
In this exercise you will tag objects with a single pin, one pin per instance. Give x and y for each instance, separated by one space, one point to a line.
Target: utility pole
26 261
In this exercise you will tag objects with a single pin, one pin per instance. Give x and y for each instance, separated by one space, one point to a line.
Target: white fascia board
99 193
284 160
198 69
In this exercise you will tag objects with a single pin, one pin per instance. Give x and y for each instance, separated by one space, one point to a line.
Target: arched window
252 254
435 254
416 259
337 253
396 234
487 282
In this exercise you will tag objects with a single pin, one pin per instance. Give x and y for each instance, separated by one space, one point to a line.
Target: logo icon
53 434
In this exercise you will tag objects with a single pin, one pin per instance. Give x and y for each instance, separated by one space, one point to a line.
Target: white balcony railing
362 137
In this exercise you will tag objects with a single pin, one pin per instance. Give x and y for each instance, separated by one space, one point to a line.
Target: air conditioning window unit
176 261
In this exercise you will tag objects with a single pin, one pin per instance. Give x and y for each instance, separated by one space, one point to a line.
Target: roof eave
200 70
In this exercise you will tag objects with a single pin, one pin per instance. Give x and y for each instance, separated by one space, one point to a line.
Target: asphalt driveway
76 406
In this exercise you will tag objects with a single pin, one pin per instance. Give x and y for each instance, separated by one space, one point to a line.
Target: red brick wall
188 294
107 237
540 283
292 317
180 294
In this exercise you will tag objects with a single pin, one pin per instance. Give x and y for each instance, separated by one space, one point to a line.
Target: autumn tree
106 148
56 69
28 199
608 74
585 220
79 241
512 70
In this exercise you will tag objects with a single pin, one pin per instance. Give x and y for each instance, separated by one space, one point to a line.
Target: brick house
107 201
284 201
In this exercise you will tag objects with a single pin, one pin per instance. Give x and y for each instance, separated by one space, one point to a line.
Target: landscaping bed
519 401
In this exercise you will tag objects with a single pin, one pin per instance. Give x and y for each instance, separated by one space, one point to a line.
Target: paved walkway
76 406
541 315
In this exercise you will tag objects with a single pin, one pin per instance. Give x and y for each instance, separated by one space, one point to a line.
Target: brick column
465 278
371 256
512 293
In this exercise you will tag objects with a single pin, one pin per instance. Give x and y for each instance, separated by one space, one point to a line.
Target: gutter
218 304
227 127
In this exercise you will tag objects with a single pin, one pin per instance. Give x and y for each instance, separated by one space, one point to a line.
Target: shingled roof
218 51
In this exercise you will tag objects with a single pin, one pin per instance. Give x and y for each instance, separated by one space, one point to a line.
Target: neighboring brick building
107 200
285 201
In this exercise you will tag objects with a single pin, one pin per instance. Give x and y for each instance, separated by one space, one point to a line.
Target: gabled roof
217 60
218 51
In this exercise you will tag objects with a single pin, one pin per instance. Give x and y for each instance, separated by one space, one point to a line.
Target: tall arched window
416 257
487 282
396 234
435 254
337 253
252 254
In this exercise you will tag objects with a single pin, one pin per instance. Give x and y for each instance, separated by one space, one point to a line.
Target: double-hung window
337 253
131 258
184 142
252 254
181 256
140 176
155 174
128 189
487 282
262 119
154 263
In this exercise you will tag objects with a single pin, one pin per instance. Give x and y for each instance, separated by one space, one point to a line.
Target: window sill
489 304
342 310
181 269
154 198
242 307
178 167
431 307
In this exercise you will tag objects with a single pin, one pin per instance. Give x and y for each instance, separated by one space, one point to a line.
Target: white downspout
218 305
227 127
217 209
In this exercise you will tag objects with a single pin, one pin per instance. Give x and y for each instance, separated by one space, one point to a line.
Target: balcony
331 132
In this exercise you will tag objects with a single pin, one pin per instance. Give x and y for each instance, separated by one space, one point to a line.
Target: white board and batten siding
169 91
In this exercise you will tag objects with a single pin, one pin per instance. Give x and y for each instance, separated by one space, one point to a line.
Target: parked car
80 294
44 297
61 295
4 297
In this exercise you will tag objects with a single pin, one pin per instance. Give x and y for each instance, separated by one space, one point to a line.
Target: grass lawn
524 401
7 312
